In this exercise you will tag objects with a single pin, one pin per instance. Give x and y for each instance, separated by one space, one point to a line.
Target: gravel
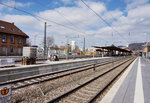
51 89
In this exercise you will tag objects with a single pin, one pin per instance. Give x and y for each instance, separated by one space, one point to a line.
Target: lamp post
67 56
45 47
45 41
84 46
145 44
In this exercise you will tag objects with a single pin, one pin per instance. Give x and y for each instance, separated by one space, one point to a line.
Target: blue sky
123 16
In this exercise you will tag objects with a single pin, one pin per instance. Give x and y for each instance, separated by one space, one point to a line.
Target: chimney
13 23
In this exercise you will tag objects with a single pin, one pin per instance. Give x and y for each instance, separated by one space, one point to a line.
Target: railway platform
133 86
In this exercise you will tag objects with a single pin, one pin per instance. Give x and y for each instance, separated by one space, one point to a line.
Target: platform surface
133 86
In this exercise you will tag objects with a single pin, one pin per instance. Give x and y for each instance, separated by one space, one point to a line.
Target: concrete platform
133 86
12 73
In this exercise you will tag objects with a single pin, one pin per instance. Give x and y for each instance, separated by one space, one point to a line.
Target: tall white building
73 45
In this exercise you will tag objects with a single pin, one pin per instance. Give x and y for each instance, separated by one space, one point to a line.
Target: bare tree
50 41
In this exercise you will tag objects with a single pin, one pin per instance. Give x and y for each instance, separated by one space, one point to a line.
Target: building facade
12 39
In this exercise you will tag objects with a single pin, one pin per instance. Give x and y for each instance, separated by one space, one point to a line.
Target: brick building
12 39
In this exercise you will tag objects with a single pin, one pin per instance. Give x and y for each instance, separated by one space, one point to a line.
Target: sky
117 22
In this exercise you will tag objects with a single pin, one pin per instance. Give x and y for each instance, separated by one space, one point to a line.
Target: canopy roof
111 48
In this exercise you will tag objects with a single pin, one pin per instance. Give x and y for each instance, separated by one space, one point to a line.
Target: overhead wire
102 19
61 14
36 16
40 17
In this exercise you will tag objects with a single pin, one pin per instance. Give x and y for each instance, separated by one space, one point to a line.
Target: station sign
5 93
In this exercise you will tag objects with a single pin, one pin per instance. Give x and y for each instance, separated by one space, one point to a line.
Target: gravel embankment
51 89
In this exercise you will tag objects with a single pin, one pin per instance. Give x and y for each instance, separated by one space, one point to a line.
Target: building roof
148 44
10 28
112 48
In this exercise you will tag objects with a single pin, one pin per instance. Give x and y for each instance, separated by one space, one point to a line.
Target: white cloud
13 3
1 7
110 15
98 7
66 2
137 21
80 15
135 3
24 21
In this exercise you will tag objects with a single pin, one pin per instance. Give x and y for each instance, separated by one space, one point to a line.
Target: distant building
12 39
73 45
136 46
91 49
124 47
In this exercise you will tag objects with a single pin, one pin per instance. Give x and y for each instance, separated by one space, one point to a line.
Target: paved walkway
133 86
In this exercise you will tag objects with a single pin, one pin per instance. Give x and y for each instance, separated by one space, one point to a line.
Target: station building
12 39
112 51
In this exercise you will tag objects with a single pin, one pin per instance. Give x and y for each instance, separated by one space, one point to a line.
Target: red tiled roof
10 28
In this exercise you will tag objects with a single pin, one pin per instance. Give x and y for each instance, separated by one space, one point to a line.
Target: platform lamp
145 43
45 46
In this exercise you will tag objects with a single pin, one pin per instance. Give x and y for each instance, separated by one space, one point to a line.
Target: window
12 39
19 40
11 50
4 51
19 51
2 27
4 38
11 29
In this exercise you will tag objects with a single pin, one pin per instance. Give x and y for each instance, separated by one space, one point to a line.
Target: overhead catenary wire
103 19
41 18
61 14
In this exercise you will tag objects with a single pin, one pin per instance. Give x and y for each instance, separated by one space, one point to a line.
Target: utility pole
112 39
67 56
45 41
84 46
67 44
129 38
146 45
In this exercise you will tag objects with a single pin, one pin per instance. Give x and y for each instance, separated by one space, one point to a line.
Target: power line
40 17
103 19
61 14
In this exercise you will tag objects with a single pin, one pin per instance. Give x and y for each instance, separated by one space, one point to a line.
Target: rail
84 84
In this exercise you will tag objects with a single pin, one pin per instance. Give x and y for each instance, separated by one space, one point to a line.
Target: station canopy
108 48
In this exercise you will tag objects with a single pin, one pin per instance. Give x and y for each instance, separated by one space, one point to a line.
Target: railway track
87 92
36 79
59 82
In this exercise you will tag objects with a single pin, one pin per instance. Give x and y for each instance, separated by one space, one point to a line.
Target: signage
5 93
